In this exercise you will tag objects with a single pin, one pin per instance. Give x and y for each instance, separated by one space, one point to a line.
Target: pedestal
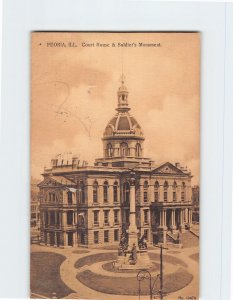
143 261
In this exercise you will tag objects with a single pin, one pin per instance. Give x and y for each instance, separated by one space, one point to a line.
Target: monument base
124 262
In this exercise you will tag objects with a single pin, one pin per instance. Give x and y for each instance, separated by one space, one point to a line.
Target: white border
214 21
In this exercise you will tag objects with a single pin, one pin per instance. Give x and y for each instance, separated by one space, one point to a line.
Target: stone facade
90 205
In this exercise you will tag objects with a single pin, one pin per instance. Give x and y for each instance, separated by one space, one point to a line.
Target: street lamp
145 274
161 270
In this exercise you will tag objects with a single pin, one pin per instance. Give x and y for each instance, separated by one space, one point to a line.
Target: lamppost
161 270
145 274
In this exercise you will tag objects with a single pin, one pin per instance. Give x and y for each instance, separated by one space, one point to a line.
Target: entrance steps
189 239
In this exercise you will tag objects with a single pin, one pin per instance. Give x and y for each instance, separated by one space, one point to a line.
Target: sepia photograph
115 165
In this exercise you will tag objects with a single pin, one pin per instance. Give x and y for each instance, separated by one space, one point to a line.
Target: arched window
165 188
124 149
95 192
109 150
105 191
126 191
70 197
115 192
138 150
183 191
174 186
156 191
145 191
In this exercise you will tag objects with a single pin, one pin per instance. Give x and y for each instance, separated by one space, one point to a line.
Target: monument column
132 231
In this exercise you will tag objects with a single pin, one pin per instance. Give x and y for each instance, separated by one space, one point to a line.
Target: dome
123 124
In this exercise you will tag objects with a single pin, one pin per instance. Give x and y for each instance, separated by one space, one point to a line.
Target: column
186 215
132 207
182 227
48 238
165 218
132 231
48 217
190 218
55 216
65 239
160 218
60 219
173 217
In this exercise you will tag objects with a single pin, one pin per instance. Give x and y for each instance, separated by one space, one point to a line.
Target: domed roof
123 124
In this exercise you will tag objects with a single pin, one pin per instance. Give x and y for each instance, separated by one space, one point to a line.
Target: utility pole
161 270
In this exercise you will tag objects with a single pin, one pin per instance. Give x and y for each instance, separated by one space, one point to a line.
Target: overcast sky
74 95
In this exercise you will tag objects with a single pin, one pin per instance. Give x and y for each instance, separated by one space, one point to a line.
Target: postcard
115 165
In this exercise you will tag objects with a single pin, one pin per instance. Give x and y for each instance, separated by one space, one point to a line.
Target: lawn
129 286
90 259
80 251
45 275
168 259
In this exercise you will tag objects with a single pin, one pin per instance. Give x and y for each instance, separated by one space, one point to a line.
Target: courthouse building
89 206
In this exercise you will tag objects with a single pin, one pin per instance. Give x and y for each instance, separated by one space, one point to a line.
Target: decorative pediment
55 181
168 169
49 182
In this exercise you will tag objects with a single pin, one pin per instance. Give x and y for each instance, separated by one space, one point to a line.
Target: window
138 150
165 187
46 218
96 217
116 235
146 214
52 197
145 191
105 191
70 197
106 236
156 192
183 191
124 149
52 218
70 217
109 150
115 192
106 217
95 192
174 196
116 220
174 186
58 218
96 237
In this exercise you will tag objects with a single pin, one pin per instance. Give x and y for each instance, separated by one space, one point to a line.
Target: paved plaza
88 274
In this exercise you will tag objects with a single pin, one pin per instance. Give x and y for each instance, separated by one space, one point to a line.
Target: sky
74 94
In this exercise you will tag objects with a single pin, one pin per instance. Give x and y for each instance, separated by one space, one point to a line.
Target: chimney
177 164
